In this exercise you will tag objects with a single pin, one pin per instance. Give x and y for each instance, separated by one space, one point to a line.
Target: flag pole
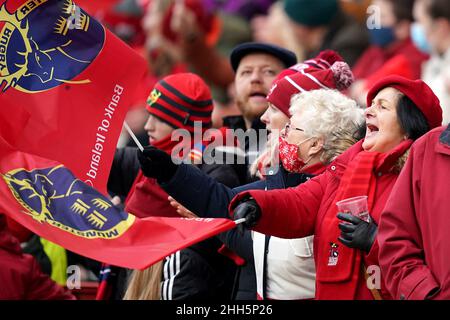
239 221
133 136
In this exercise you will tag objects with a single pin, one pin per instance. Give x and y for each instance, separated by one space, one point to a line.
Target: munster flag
46 198
66 84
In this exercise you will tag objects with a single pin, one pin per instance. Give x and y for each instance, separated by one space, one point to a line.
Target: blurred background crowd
375 37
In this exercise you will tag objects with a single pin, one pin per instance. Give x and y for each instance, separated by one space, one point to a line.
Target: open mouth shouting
257 97
372 130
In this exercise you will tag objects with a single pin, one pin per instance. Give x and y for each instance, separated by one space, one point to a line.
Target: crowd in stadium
337 102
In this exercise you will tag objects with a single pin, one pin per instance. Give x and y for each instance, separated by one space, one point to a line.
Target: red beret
416 90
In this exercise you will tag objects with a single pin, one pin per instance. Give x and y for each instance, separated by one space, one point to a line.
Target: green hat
311 13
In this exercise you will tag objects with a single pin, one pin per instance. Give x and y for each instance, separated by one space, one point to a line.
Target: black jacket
249 149
125 168
208 198
198 273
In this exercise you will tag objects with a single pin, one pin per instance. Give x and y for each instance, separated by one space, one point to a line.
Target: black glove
358 233
157 164
248 209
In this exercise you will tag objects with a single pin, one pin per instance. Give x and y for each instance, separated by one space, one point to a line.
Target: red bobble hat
327 71
181 99
416 90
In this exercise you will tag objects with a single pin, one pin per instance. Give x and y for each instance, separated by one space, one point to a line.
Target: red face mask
289 156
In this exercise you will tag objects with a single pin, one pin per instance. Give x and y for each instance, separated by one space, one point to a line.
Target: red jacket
402 58
414 229
20 275
299 212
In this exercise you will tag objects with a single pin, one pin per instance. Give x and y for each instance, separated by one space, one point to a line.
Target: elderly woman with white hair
321 127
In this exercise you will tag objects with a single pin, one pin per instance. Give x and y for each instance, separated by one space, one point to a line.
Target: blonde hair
145 284
329 115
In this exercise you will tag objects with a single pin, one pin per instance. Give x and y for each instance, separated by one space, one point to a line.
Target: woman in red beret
345 247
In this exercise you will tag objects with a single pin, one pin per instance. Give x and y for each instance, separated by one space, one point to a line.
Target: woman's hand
182 211
247 209
357 233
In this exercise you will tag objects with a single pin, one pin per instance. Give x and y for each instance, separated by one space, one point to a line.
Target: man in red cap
413 232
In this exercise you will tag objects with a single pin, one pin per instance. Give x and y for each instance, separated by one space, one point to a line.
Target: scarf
146 198
341 264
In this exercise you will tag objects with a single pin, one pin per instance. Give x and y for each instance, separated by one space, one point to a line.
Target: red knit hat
326 71
181 99
416 90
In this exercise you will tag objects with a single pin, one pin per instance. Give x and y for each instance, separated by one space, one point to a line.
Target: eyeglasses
288 127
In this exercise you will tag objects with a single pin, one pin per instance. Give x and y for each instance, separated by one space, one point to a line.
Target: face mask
289 155
382 36
419 38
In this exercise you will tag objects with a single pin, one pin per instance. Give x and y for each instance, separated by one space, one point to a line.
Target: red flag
67 83
46 198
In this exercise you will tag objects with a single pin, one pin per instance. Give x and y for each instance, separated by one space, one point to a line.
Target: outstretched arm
206 197
288 213
200 193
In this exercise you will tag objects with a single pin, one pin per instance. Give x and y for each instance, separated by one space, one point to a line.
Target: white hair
329 115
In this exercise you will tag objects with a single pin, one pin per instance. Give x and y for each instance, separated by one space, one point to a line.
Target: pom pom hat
326 71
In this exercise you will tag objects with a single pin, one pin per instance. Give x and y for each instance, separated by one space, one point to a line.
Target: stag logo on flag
54 196
42 45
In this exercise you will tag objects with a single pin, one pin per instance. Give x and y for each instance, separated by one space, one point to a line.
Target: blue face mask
419 38
382 36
